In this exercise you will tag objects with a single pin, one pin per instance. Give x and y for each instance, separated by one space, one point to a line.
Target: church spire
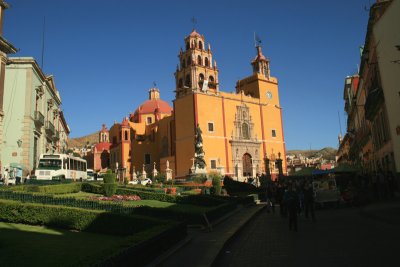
261 63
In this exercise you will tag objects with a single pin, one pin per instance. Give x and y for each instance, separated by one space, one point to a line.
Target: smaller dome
100 147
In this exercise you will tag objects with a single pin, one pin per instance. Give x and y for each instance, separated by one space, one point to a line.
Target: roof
102 146
194 33
152 105
259 55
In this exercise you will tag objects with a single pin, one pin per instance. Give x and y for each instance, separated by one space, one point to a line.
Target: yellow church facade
242 132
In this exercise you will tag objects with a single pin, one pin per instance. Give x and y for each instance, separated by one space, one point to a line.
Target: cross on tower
194 21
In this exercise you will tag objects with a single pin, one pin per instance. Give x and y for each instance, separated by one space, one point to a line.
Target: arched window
201 80
199 61
126 135
200 45
211 82
245 131
180 83
206 62
187 80
189 61
187 45
183 63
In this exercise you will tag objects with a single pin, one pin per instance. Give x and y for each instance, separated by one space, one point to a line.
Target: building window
213 164
183 64
126 135
147 159
273 132
180 83
149 120
210 127
187 46
199 61
200 45
245 131
187 81
206 62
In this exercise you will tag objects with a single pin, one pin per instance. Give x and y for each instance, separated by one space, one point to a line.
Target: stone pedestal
168 174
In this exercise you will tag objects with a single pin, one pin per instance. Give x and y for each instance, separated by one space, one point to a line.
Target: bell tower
261 64
196 71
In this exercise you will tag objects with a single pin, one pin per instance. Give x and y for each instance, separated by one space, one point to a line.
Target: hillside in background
80 142
327 153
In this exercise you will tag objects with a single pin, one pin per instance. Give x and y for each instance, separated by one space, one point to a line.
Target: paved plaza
353 236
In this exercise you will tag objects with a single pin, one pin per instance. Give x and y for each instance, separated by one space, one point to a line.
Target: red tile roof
102 146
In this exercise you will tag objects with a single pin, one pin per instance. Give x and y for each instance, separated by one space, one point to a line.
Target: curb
234 235
170 252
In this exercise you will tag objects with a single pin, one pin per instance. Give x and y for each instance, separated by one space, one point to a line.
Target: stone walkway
340 237
203 246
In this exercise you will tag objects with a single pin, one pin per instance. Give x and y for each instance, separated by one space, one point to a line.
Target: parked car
133 182
146 181
325 190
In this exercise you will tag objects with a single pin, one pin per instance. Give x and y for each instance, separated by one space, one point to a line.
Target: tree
198 148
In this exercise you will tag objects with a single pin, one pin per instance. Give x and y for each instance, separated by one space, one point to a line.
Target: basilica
242 132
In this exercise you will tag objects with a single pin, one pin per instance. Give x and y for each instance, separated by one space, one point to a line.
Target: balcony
373 102
50 130
56 136
39 119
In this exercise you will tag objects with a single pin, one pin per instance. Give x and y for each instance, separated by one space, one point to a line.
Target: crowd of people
296 196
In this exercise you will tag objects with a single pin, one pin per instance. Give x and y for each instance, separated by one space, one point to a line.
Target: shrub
200 179
74 218
235 187
56 189
109 189
109 186
109 177
92 188
216 184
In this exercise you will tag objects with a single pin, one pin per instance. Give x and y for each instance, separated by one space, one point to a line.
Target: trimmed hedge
147 195
74 218
66 201
65 188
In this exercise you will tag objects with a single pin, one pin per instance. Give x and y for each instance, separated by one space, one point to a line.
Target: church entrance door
247 165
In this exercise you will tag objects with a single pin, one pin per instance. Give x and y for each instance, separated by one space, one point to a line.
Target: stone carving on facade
245 145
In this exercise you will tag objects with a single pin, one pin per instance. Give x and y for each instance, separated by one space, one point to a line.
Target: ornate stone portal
245 146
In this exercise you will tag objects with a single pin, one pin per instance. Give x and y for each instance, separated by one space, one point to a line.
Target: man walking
309 200
291 200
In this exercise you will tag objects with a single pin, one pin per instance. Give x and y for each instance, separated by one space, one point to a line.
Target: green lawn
26 245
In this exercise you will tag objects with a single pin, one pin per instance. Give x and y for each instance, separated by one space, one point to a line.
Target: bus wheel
62 178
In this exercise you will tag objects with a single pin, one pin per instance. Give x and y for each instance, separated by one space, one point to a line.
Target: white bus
61 167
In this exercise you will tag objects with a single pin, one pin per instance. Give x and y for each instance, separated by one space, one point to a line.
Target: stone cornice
6 46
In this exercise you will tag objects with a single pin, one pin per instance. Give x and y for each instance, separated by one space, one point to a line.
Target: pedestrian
27 177
291 200
6 176
309 200
18 175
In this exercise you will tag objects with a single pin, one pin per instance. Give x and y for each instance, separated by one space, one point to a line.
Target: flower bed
118 198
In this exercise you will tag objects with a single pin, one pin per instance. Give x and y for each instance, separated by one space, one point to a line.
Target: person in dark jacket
309 200
291 200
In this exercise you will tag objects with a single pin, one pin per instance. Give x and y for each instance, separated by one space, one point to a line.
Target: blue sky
105 55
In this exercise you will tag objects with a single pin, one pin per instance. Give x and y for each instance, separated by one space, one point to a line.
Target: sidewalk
202 246
386 211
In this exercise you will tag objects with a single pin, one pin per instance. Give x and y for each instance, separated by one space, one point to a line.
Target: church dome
154 105
194 33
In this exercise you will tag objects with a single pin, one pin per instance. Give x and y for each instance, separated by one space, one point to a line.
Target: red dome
150 106
103 146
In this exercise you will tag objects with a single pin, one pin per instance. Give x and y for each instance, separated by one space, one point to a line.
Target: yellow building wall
185 123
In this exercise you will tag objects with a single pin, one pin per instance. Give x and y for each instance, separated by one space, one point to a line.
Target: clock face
269 95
